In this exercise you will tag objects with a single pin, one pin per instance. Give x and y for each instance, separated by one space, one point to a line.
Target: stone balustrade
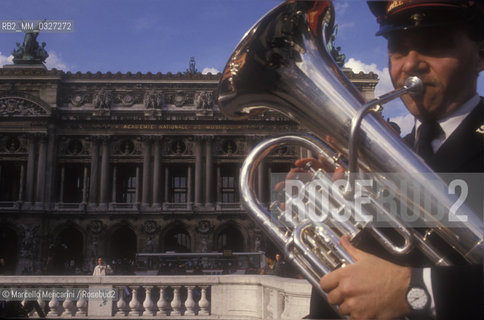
167 297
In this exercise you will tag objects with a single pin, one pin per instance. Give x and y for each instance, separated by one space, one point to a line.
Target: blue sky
161 36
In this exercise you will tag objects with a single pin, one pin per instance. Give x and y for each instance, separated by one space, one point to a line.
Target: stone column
84 186
138 186
156 172
30 170
94 179
113 189
104 198
219 188
62 180
22 179
147 173
41 166
166 186
189 187
209 173
198 171
50 167
262 178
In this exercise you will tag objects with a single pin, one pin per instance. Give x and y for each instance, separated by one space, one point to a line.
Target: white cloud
5 59
340 7
384 84
210 70
347 25
395 110
405 122
53 61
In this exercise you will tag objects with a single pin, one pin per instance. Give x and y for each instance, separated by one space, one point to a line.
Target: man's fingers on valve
279 186
338 173
297 173
335 297
321 164
314 163
331 280
344 309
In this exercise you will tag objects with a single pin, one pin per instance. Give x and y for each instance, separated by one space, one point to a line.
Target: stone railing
161 297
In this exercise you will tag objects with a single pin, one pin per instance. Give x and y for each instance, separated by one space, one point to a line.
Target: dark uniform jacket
457 291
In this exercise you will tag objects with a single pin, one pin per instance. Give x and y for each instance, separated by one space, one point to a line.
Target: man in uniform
441 42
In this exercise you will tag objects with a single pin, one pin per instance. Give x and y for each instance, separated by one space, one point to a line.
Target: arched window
123 244
68 250
8 249
230 238
177 240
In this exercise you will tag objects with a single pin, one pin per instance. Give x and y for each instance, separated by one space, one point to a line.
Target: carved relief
12 144
204 100
126 147
73 146
151 227
12 107
29 245
284 151
148 246
127 99
153 99
178 147
179 99
204 227
103 99
78 100
230 146
96 227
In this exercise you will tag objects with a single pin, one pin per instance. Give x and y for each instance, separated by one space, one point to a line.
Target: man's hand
300 171
369 288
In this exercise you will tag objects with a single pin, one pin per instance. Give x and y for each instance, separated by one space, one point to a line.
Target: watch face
417 298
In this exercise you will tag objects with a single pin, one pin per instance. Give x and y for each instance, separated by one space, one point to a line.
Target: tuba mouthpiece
414 84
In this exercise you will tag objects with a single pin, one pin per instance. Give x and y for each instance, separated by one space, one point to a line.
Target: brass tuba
283 64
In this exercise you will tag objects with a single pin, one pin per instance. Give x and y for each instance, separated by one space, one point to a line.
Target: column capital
207 138
147 139
37 135
100 138
43 138
157 138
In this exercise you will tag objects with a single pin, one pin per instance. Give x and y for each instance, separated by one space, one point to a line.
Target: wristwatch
418 298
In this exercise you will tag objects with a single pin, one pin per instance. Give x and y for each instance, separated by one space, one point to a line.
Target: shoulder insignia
480 129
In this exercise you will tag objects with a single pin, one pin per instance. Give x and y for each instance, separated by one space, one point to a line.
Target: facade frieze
73 146
13 144
21 105
126 146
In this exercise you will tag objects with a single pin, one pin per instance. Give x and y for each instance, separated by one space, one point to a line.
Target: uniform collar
452 121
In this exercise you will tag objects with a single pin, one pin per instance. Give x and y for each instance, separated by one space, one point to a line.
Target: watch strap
417 281
416 278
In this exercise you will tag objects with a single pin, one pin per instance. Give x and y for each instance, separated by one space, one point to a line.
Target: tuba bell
283 63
